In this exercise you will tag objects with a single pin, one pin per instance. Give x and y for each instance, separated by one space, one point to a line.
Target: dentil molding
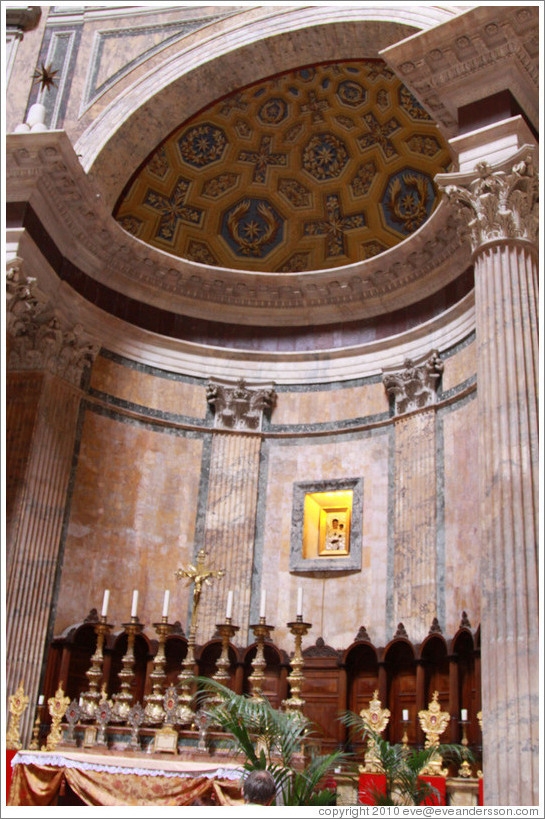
43 170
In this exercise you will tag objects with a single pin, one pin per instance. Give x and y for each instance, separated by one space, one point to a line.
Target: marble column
415 554
46 359
232 501
501 210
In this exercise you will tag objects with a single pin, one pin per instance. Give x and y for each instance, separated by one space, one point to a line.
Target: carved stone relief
39 338
502 203
415 385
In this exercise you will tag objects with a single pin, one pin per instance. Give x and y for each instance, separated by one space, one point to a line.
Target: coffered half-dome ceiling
311 169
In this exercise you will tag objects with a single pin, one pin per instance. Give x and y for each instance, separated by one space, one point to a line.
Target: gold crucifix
199 575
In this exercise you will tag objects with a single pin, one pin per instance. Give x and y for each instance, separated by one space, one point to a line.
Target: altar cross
199 575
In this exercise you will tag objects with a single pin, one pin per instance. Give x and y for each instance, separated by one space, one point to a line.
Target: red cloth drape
481 791
440 783
368 784
9 756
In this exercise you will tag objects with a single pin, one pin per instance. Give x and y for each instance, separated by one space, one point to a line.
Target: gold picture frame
89 736
166 741
327 523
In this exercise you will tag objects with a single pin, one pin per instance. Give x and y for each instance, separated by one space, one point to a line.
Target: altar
41 778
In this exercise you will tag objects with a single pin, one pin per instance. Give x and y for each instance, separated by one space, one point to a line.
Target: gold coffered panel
312 169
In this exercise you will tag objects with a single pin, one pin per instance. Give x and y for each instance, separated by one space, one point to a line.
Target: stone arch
148 109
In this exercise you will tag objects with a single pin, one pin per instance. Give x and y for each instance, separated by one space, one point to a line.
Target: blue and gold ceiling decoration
312 169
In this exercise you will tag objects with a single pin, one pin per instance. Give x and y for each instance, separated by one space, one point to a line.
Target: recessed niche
326 530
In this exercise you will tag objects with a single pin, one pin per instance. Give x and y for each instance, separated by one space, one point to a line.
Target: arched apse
120 138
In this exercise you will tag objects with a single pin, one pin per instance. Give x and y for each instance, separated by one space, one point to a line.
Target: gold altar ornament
200 574
17 704
433 722
376 719
57 709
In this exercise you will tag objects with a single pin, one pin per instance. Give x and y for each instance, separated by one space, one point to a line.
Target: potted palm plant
271 739
402 767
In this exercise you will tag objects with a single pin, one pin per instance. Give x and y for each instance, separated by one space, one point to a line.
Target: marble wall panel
147 389
335 605
318 406
132 520
461 515
459 367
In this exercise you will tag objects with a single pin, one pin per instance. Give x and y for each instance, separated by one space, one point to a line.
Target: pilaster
414 387
232 499
46 360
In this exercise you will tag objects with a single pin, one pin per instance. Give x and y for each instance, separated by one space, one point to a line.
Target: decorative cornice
25 18
43 168
401 632
464 622
415 385
39 337
320 649
362 635
500 201
480 52
238 407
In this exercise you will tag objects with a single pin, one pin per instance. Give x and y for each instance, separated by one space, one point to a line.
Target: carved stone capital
415 385
40 339
498 203
239 407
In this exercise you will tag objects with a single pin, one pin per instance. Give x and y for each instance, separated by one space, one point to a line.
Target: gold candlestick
295 702
35 744
226 631
94 673
257 677
123 699
153 703
185 713
405 738
465 768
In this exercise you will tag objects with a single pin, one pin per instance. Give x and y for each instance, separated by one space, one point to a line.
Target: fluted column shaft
44 446
230 528
506 318
415 560
502 206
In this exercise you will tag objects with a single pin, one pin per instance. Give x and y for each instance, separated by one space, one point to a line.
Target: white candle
263 602
105 601
165 602
229 610
80 702
299 601
41 699
464 714
134 603
405 715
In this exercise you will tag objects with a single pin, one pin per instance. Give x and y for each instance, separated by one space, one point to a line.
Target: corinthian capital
499 202
40 339
414 386
239 407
